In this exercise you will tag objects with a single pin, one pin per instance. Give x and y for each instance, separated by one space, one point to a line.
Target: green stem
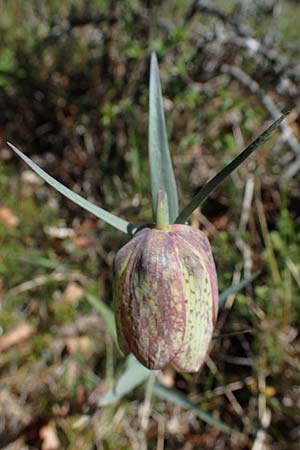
162 212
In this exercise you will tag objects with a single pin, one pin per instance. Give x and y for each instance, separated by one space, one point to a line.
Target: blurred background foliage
74 95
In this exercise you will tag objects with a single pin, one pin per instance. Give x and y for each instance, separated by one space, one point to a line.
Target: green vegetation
74 96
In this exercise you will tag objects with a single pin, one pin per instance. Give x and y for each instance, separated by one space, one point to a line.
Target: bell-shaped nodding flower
166 294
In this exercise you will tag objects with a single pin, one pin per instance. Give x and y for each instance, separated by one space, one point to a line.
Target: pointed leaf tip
204 192
154 58
161 170
111 219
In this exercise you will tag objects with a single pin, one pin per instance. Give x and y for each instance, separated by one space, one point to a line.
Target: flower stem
162 212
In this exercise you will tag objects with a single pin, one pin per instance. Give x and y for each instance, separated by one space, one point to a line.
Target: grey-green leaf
134 375
177 397
161 170
111 219
199 198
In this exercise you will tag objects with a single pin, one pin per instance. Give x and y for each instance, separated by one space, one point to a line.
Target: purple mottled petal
166 297
198 241
122 261
199 312
127 249
153 304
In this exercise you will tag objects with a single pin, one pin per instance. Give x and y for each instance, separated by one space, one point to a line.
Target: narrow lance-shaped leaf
111 219
199 198
161 171
180 399
134 375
